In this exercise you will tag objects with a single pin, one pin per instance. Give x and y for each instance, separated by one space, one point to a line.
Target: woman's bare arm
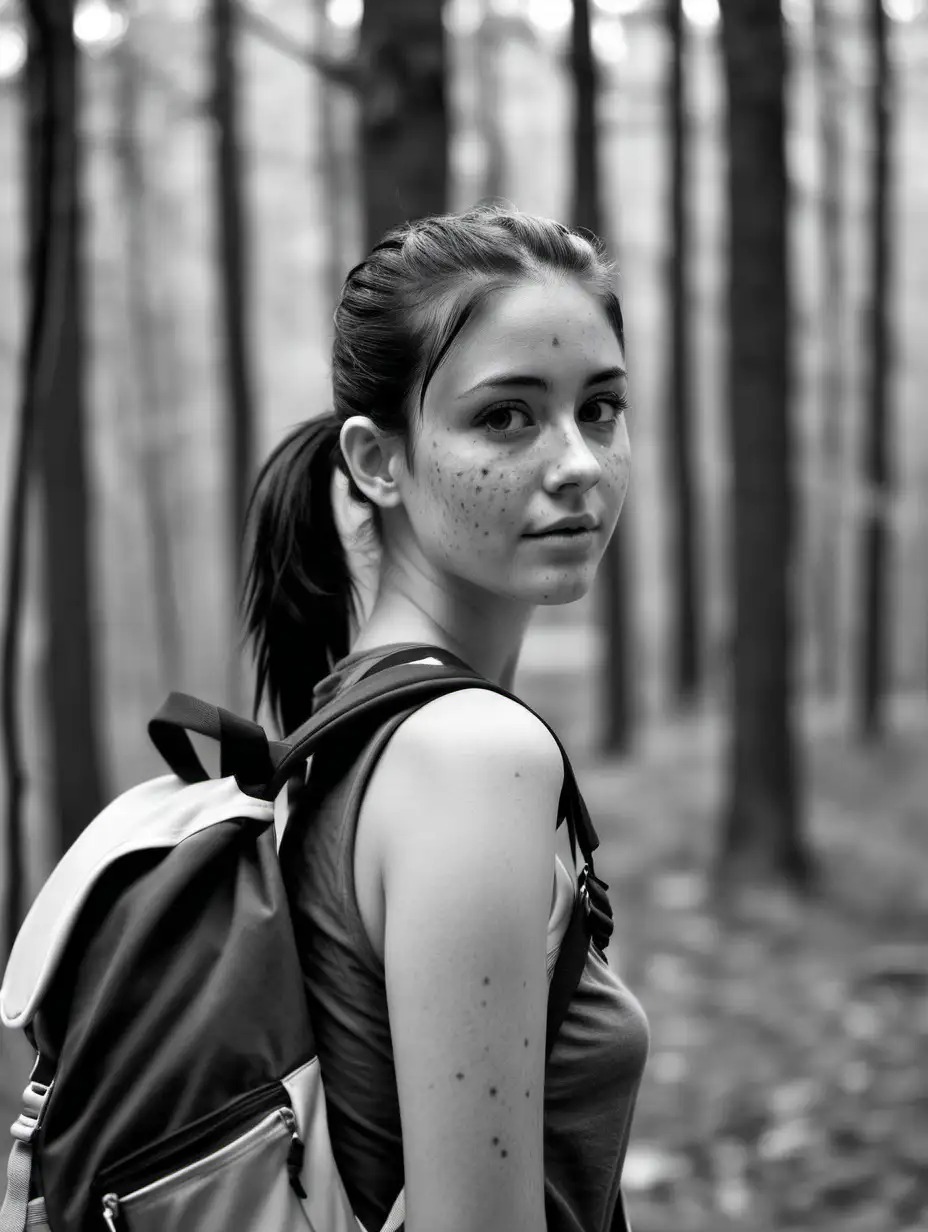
470 790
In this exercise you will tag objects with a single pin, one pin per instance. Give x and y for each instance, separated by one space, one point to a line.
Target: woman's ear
372 457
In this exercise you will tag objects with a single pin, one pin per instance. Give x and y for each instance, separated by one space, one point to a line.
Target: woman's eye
612 404
504 412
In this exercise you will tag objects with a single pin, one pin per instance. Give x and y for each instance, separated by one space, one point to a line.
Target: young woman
479 387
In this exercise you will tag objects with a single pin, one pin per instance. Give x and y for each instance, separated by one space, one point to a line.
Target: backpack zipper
184 1146
112 1202
111 1216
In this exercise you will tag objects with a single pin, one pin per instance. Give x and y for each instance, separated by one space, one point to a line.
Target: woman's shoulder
469 758
454 729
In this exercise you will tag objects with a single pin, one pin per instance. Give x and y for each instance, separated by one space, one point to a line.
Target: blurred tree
329 140
40 213
331 177
825 587
587 213
233 265
53 422
686 635
762 832
149 399
404 116
489 121
874 648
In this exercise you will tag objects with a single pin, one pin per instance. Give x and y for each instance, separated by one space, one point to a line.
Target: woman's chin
552 591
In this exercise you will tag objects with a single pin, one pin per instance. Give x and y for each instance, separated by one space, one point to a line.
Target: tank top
595 1067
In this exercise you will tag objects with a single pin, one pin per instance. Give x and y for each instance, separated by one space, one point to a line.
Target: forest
184 185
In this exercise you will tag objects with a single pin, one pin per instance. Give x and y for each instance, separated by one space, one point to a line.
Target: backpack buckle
35 1098
596 906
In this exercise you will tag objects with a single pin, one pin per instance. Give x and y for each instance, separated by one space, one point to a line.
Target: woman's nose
572 460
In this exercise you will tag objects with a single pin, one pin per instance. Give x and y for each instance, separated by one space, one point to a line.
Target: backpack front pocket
249 1184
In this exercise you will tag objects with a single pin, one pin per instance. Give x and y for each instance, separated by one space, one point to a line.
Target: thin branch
341 73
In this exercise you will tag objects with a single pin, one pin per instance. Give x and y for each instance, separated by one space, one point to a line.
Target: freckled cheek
503 505
616 467
469 503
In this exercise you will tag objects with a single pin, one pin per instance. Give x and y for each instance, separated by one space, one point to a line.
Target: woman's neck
492 656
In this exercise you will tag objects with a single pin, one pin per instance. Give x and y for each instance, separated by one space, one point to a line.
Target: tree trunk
404 119
488 103
55 398
826 582
44 288
330 173
762 833
680 411
233 268
587 213
876 465
149 399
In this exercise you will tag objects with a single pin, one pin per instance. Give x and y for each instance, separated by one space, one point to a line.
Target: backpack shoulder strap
14 1215
405 679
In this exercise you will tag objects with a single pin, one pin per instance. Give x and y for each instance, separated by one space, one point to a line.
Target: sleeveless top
595 1068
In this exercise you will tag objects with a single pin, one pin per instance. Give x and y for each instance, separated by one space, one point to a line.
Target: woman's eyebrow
504 380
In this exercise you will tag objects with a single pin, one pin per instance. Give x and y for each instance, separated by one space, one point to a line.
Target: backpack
176 1084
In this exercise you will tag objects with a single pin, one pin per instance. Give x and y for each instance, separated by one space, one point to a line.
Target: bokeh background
183 186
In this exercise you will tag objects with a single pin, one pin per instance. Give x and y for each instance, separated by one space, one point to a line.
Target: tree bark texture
233 268
686 627
876 462
762 832
55 399
587 213
404 117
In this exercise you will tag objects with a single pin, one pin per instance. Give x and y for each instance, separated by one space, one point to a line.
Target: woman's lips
575 538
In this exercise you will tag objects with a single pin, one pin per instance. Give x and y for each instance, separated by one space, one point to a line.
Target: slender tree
488 45
686 631
826 583
53 410
762 831
587 213
330 177
150 398
45 290
404 116
233 264
876 460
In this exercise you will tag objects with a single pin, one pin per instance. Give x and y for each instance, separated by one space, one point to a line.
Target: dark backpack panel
146 1051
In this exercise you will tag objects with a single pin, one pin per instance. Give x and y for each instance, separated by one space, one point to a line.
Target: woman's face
522 426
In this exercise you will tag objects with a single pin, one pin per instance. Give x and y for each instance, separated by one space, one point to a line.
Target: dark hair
399 313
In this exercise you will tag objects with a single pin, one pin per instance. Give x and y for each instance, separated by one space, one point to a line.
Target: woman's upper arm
467 866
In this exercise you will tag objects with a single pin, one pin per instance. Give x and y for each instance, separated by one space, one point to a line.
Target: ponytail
299 594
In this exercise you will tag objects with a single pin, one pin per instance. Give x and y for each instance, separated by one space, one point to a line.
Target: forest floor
787 1086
